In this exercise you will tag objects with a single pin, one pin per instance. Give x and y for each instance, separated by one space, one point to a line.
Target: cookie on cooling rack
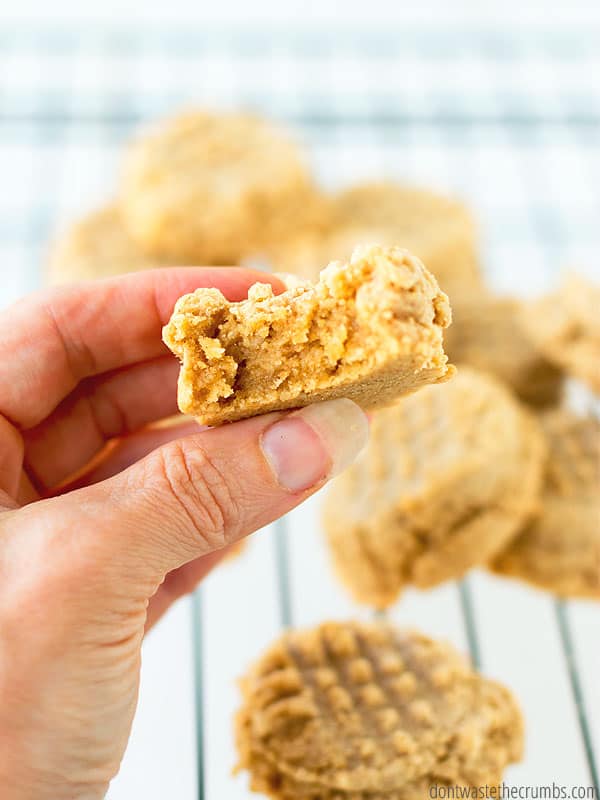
448 477
357 711
560 550
214 188
487 333
566 327
369 330
97 246
438 230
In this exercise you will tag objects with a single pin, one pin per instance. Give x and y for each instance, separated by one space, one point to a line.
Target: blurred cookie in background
357 710
96 246
448 477
487 332
209 188
437 229
565 326
306 218
560 550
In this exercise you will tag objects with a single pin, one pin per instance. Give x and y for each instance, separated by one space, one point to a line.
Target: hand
106 520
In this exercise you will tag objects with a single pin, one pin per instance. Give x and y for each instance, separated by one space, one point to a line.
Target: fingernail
315 443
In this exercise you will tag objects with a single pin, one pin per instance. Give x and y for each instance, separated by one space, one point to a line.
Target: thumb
202 492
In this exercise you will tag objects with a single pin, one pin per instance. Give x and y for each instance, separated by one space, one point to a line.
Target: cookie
448 477
369 330
560 550
213 188
487 332
566 327
357 711
97 246
438 230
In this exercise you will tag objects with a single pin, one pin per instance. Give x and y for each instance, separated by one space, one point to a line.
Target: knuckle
201 491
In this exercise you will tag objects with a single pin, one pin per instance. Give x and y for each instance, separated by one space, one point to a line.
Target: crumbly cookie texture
438 230
447 479
214 188
97 246
370 330
357 711
487 332
566 328
560 550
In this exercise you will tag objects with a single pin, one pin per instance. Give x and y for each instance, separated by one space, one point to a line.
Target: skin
105 520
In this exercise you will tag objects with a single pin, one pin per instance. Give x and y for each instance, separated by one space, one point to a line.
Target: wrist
30 771
23 784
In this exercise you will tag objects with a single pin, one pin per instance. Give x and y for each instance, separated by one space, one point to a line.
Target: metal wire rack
508 121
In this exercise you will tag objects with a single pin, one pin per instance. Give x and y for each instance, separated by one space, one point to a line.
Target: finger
67 334
26 493
181 582
201 493
11 458
127 451
101 408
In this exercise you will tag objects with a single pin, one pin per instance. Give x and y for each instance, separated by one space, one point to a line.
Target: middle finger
100 409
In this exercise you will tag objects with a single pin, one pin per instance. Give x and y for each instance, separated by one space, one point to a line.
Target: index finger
52 340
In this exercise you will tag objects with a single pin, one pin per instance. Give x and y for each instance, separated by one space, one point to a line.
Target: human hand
105 521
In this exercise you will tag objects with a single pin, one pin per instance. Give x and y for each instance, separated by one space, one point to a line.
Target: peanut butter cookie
96 247
566 328
438 230
560 550
370 330
487 332
213 188
448 477
357 711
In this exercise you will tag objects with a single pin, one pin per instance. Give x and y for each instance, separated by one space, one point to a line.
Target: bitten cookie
438 230
213 188
487 332
560 550
566 328
369 330
356 711
448 477
96 247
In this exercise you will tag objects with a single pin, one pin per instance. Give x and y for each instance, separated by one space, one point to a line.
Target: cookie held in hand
370 330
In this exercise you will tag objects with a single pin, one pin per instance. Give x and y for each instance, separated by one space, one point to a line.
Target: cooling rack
510 122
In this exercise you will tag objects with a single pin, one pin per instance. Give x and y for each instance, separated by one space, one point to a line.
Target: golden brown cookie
438 230
487 333
370 330
357 711
560 550
448 478
213 188
566 327
97 246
